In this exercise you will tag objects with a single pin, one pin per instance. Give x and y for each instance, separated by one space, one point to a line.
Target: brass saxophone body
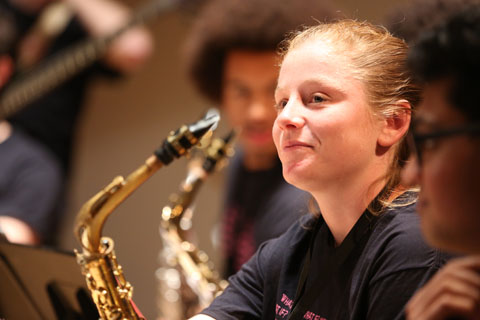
110 291
193 265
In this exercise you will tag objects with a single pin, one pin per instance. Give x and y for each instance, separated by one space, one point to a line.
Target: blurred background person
446 135
51 120
231 58
410 19
30 187
30 176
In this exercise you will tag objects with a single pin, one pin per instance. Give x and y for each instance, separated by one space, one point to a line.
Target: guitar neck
68 63
34 84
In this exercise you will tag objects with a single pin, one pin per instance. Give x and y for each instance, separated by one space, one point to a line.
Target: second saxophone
188 280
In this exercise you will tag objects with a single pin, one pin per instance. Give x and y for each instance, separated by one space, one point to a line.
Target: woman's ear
395 126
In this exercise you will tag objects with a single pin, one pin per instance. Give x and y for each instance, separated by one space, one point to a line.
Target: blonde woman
344 101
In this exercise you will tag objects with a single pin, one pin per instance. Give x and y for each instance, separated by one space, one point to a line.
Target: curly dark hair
257 25
409 20
452 51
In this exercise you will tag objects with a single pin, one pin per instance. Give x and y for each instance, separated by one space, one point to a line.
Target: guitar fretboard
30 86
49 75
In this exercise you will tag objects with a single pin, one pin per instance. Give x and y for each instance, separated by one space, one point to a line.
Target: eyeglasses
421 142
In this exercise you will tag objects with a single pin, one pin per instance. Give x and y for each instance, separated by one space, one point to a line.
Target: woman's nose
291 116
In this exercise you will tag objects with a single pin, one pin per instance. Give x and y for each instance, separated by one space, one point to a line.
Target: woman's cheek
276 133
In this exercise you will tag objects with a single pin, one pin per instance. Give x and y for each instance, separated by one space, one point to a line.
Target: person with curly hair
408 21
445 136
230 55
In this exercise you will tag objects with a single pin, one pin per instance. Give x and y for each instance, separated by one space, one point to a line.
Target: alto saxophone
110 291
188 280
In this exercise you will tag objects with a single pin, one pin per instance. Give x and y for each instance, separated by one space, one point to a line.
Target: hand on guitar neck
102 17
99 17
121 44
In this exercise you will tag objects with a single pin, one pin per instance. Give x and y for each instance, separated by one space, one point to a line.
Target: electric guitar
63 66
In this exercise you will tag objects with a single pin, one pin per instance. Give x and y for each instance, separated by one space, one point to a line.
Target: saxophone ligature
110 291
187 279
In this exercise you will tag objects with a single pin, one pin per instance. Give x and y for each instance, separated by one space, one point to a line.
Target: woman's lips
295 144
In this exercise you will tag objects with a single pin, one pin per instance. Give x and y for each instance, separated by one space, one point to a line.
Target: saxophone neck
183 199
198 170
93 214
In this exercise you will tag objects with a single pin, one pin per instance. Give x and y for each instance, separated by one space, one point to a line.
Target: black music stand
42 283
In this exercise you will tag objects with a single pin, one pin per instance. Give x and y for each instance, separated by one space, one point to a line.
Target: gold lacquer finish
109 289
92 216
188 279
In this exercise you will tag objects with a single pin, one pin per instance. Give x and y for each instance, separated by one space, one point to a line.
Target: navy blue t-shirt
376 280
30 183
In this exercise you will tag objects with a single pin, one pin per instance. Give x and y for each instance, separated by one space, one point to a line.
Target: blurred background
125 122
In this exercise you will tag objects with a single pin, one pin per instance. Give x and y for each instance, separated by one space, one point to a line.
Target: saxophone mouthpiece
209 122
180 141
219 149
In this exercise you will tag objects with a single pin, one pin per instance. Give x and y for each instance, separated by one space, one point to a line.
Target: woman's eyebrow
325 83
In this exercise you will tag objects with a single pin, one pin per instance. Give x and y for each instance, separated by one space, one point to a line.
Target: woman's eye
281 104
317 98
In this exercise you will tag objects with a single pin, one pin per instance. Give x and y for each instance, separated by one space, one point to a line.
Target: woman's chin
296 174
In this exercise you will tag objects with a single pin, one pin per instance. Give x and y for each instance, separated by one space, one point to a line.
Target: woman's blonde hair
378 60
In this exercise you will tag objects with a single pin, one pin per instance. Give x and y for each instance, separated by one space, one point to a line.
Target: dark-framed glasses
421 142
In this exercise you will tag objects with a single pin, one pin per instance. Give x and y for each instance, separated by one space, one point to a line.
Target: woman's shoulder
397 242
400 224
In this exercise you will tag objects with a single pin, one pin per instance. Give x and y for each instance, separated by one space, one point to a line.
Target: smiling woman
343 108
354 105
323 118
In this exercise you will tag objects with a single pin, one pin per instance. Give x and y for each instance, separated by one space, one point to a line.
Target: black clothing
30 183
52 119
376 280
260 206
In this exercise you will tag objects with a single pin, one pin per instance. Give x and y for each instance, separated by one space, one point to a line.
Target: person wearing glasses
343 100
446 139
